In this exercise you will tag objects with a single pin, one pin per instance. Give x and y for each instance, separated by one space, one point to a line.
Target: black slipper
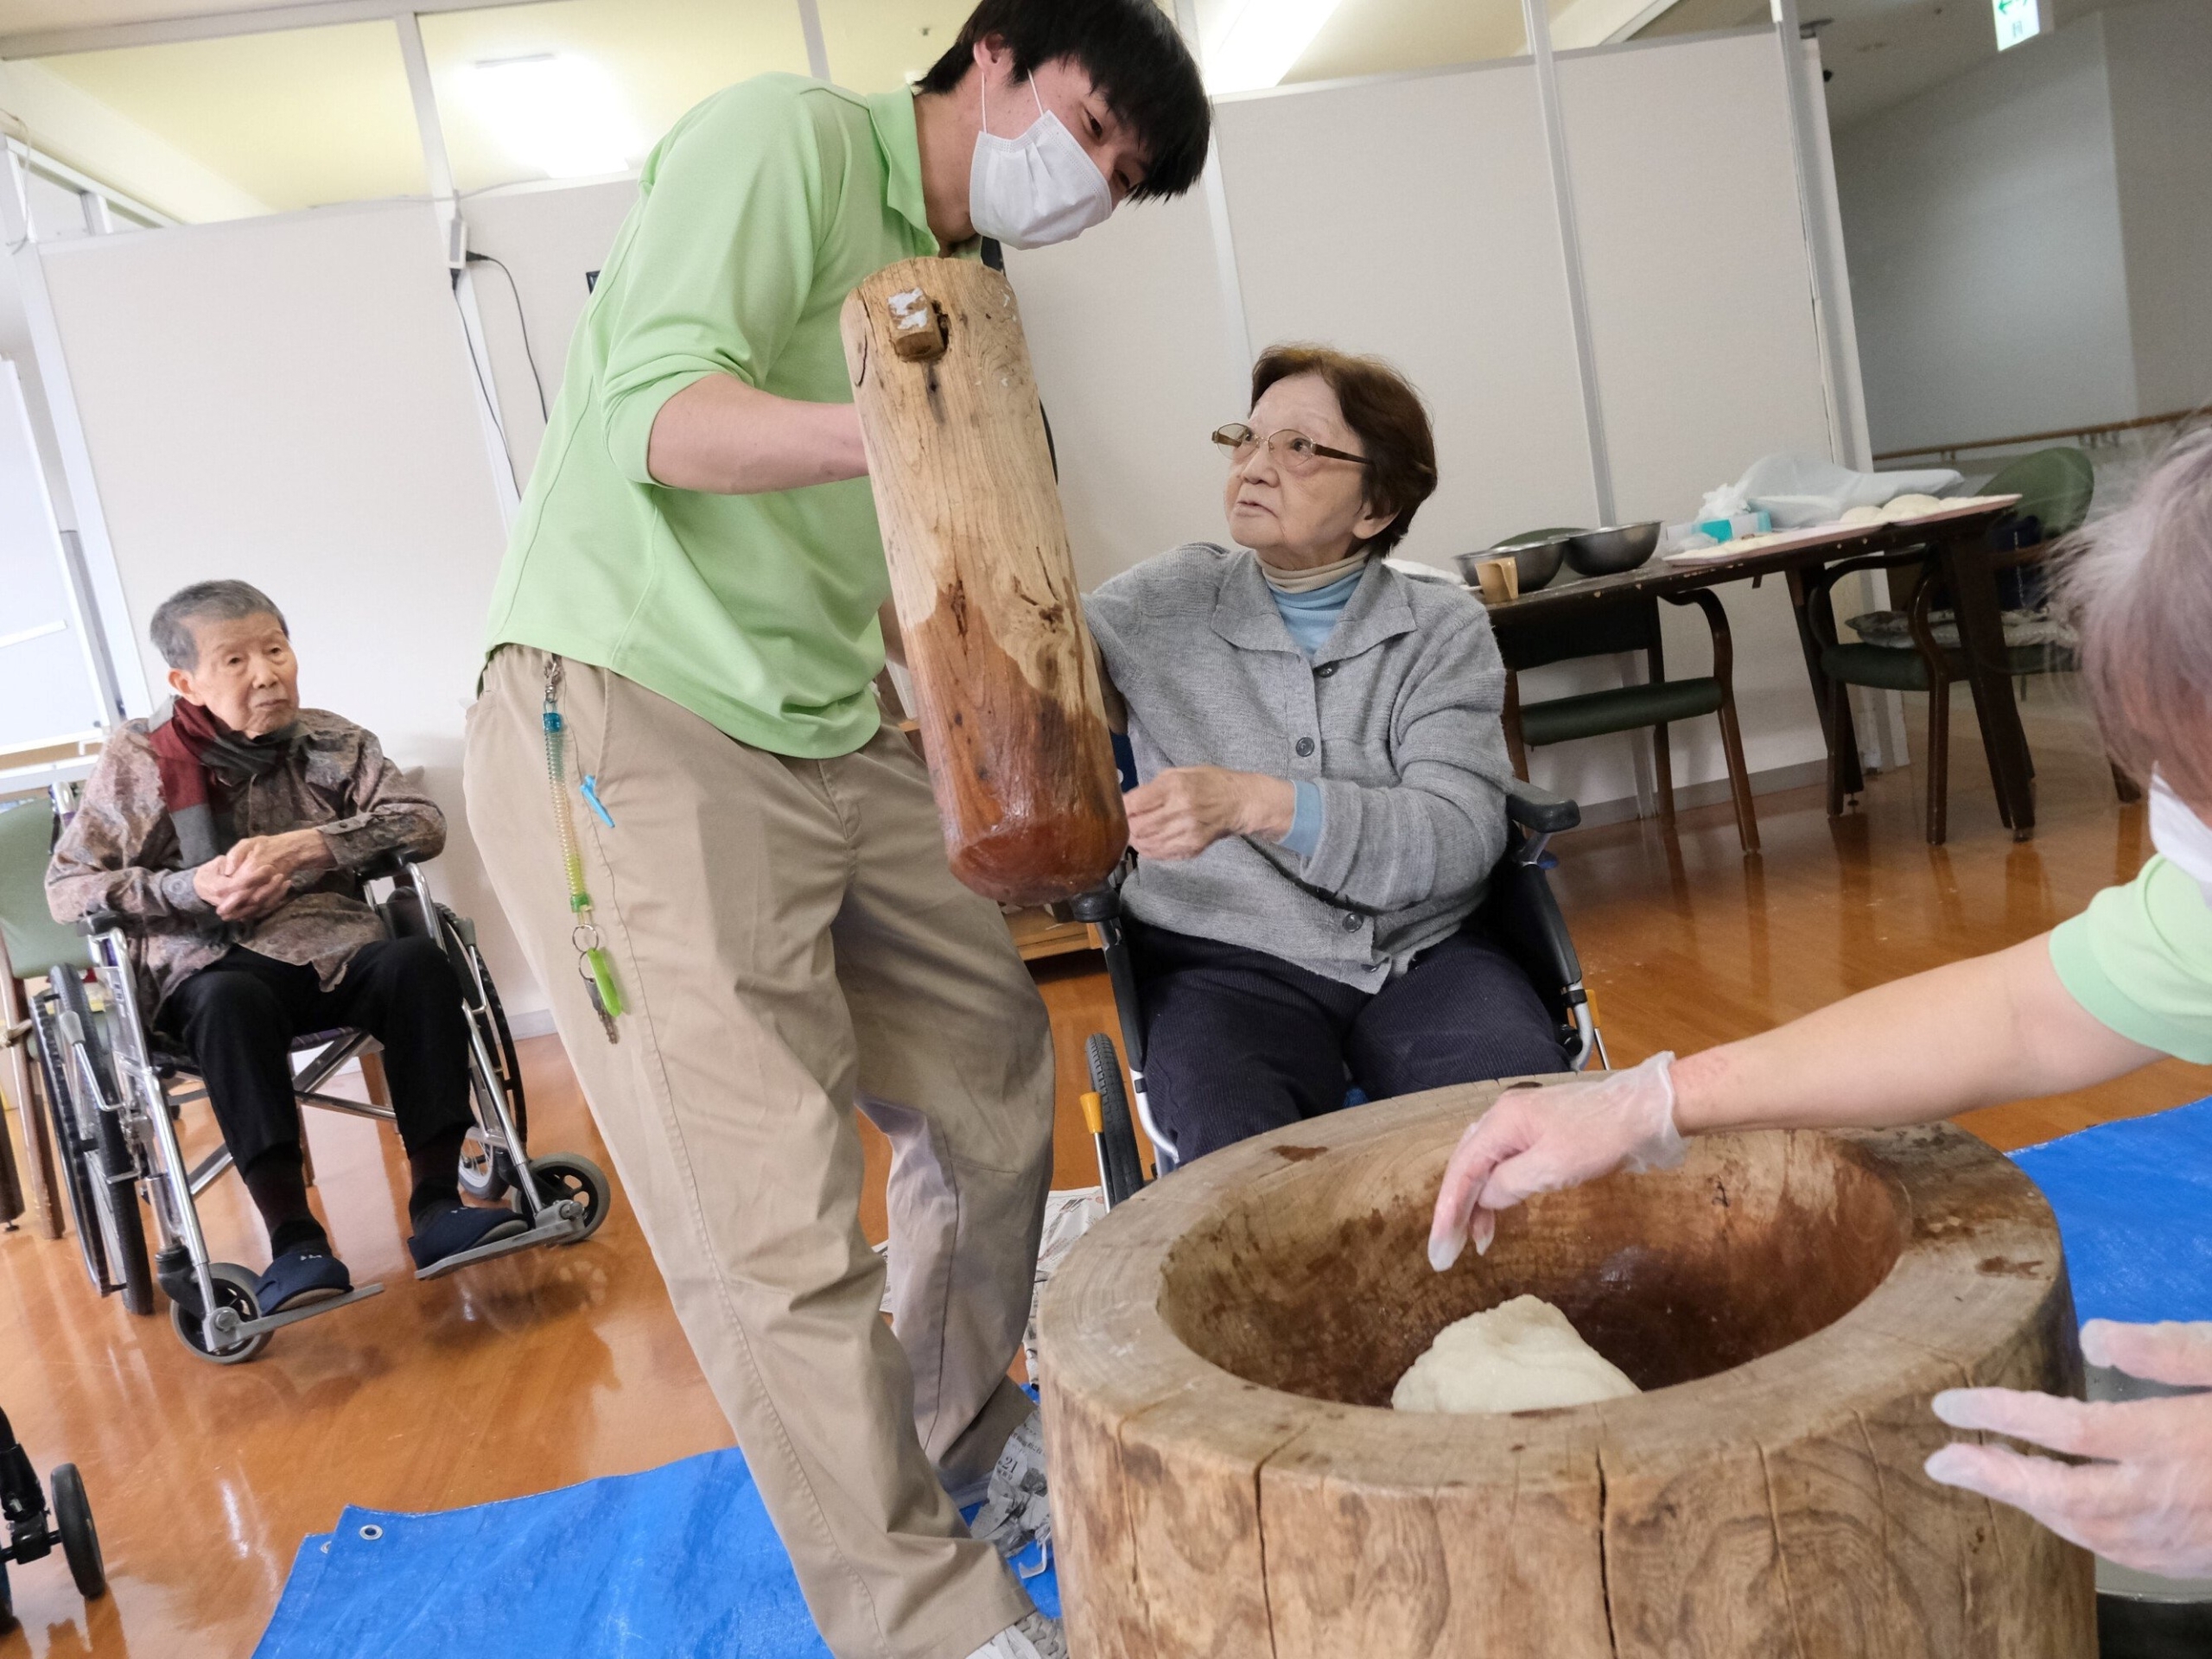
452 1228
310 1274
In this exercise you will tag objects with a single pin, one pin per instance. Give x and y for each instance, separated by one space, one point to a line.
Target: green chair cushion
35 941
1626 708
1885 668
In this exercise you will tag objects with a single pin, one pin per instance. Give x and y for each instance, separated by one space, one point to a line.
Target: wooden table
1956 542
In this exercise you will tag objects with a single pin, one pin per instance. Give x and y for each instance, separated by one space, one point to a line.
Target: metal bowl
1536 559
1609 551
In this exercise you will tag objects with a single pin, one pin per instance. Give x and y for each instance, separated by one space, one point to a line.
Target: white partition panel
289 400
1702 326
1413 216
1129 335
548 241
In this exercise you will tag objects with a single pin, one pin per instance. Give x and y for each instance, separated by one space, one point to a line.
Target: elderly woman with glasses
1322 772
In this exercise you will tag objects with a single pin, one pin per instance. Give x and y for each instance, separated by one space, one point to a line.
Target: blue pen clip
589 789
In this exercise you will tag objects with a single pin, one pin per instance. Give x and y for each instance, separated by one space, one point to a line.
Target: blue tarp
664 1565
2134 1206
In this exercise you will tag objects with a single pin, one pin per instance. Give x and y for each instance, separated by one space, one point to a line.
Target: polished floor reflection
554 1367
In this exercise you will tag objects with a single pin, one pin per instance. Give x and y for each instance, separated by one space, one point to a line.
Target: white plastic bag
1796 491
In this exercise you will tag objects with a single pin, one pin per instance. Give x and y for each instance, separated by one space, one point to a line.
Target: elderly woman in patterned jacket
226 830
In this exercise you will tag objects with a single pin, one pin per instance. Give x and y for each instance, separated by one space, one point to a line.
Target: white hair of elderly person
2040 1018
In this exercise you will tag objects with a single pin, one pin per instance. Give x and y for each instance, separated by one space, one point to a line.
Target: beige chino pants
792 947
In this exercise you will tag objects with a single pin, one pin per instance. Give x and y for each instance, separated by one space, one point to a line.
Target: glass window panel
1255 44
575 87
250 123
875 46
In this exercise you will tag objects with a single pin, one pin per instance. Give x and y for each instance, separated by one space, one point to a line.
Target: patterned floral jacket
120 853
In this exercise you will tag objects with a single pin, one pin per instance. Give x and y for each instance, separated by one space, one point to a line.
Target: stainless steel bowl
1607 552
1537 560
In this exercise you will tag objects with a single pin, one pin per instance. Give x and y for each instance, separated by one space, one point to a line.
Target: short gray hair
217 601
2139 588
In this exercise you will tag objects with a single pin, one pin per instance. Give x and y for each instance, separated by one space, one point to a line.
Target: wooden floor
554 1367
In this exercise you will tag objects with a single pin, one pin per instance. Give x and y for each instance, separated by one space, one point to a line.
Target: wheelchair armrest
100 921
1101 904
1538 811
382 865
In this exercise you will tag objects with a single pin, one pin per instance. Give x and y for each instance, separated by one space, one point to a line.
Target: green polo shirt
2140 959
756 216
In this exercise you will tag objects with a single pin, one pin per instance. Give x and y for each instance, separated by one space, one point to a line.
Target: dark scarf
203 763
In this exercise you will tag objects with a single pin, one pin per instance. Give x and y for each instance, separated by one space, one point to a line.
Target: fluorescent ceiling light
1261 40
557 112
2017 20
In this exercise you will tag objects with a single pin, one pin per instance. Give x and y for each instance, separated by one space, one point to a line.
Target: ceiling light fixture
559 113
1262 40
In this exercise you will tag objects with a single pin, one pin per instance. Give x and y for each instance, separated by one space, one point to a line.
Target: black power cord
521 322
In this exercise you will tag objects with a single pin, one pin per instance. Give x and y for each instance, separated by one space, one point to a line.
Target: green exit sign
2017 20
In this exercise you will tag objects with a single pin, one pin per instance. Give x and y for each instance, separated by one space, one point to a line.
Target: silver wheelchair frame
124 1114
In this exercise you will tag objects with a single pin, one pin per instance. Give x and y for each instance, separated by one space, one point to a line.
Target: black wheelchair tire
77 1175
80 1540
129 1270
1124 1167
7 1599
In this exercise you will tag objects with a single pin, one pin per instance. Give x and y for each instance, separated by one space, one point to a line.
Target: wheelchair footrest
245 1328
561 1224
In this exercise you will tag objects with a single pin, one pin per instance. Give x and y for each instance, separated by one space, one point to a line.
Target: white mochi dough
1909 507
1523 1356
1861 516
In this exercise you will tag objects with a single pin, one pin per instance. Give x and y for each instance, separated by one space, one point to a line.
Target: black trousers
1238 1042
238 1016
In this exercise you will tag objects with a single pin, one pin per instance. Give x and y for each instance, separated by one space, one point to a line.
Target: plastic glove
2146 1500
1542 1139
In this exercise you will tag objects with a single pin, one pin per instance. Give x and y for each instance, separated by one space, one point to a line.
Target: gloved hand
2146 1502
1541 1140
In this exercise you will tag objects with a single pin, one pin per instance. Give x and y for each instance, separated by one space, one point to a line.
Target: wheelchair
116 1088
1520 909
23 1516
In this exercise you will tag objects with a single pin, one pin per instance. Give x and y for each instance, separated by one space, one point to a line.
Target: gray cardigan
1396 718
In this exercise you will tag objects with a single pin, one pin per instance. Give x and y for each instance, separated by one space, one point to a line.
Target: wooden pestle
1012 720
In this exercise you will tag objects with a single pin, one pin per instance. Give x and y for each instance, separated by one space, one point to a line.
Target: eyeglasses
1294 451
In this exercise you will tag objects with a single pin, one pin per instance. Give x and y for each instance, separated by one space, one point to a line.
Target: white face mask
1038 189
2183 838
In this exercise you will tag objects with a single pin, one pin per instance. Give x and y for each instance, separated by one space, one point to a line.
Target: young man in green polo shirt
761 934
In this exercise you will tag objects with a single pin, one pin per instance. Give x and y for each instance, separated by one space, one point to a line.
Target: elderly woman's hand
2144 1497
1184 811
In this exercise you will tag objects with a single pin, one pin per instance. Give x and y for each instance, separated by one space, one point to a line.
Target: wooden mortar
1227 1480
1012 719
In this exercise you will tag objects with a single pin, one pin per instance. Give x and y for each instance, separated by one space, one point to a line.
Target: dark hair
1133 57
1381 405
218 601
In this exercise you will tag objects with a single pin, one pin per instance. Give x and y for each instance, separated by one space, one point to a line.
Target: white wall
1705 361
315 432
2159 60
1983 219
548 240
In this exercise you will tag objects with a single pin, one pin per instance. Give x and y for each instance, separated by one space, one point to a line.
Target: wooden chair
2055 487
1631 625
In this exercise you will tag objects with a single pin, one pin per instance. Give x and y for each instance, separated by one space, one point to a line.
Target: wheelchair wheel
81 1543
1124 1168
75 1149
110 1170
234 1290
7 1599
564 1175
